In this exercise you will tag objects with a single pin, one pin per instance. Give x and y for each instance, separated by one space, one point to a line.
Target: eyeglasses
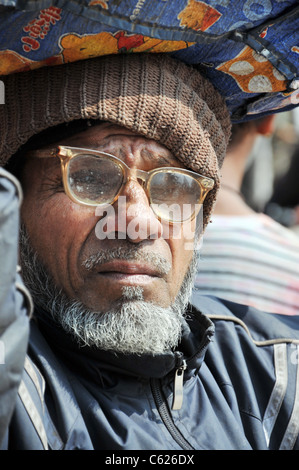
94 178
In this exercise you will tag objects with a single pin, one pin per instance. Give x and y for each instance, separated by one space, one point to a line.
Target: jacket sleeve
15 302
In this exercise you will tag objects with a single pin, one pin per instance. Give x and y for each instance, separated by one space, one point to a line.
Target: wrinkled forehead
123 143
94 135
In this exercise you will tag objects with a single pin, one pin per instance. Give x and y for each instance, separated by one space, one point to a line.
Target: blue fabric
14 301
249 49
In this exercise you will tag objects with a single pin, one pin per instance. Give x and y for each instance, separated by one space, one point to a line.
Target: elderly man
119 163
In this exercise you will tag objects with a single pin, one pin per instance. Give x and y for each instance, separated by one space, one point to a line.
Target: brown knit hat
151 94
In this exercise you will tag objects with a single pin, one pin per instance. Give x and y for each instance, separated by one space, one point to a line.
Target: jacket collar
197 333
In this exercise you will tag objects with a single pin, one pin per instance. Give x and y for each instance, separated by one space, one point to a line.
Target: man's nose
131 216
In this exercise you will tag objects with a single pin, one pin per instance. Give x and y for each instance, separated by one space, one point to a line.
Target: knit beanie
151 94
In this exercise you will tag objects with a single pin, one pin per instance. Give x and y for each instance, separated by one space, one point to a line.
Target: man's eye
86 179
88 183
100 179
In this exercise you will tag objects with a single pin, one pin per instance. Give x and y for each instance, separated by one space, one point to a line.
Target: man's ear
265 126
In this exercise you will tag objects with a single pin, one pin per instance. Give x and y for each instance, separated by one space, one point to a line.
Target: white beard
132 326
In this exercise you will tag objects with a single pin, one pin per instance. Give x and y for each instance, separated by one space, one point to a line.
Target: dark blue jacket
238 368
240 389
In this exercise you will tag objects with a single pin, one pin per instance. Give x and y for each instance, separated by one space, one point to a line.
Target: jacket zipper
178 386
162 404
166 417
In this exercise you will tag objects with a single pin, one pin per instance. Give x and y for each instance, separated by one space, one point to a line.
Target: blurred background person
283 205
246 256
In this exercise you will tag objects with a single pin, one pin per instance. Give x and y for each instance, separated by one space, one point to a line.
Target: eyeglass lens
94 180
98 180
174 195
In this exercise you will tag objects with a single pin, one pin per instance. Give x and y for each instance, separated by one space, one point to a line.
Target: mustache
161 264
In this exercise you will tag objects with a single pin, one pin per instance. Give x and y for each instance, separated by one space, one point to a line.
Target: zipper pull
178 386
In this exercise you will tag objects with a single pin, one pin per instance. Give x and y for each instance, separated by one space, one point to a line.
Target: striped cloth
251 260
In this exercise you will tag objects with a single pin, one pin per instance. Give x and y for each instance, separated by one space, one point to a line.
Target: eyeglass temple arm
43 153
50 152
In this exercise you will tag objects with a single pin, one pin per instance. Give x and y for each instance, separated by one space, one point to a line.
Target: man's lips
127 265
124 269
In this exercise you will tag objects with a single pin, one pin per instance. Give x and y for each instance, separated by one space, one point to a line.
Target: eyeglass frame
66 154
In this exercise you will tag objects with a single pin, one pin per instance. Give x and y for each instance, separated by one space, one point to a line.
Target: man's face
63 233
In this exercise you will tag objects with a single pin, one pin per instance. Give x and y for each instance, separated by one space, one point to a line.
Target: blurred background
271 182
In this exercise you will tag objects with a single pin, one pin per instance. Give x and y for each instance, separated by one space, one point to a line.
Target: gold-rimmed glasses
95 178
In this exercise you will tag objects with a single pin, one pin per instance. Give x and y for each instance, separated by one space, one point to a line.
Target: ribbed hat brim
153 95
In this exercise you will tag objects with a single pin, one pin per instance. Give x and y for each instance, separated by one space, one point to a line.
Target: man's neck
230 200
